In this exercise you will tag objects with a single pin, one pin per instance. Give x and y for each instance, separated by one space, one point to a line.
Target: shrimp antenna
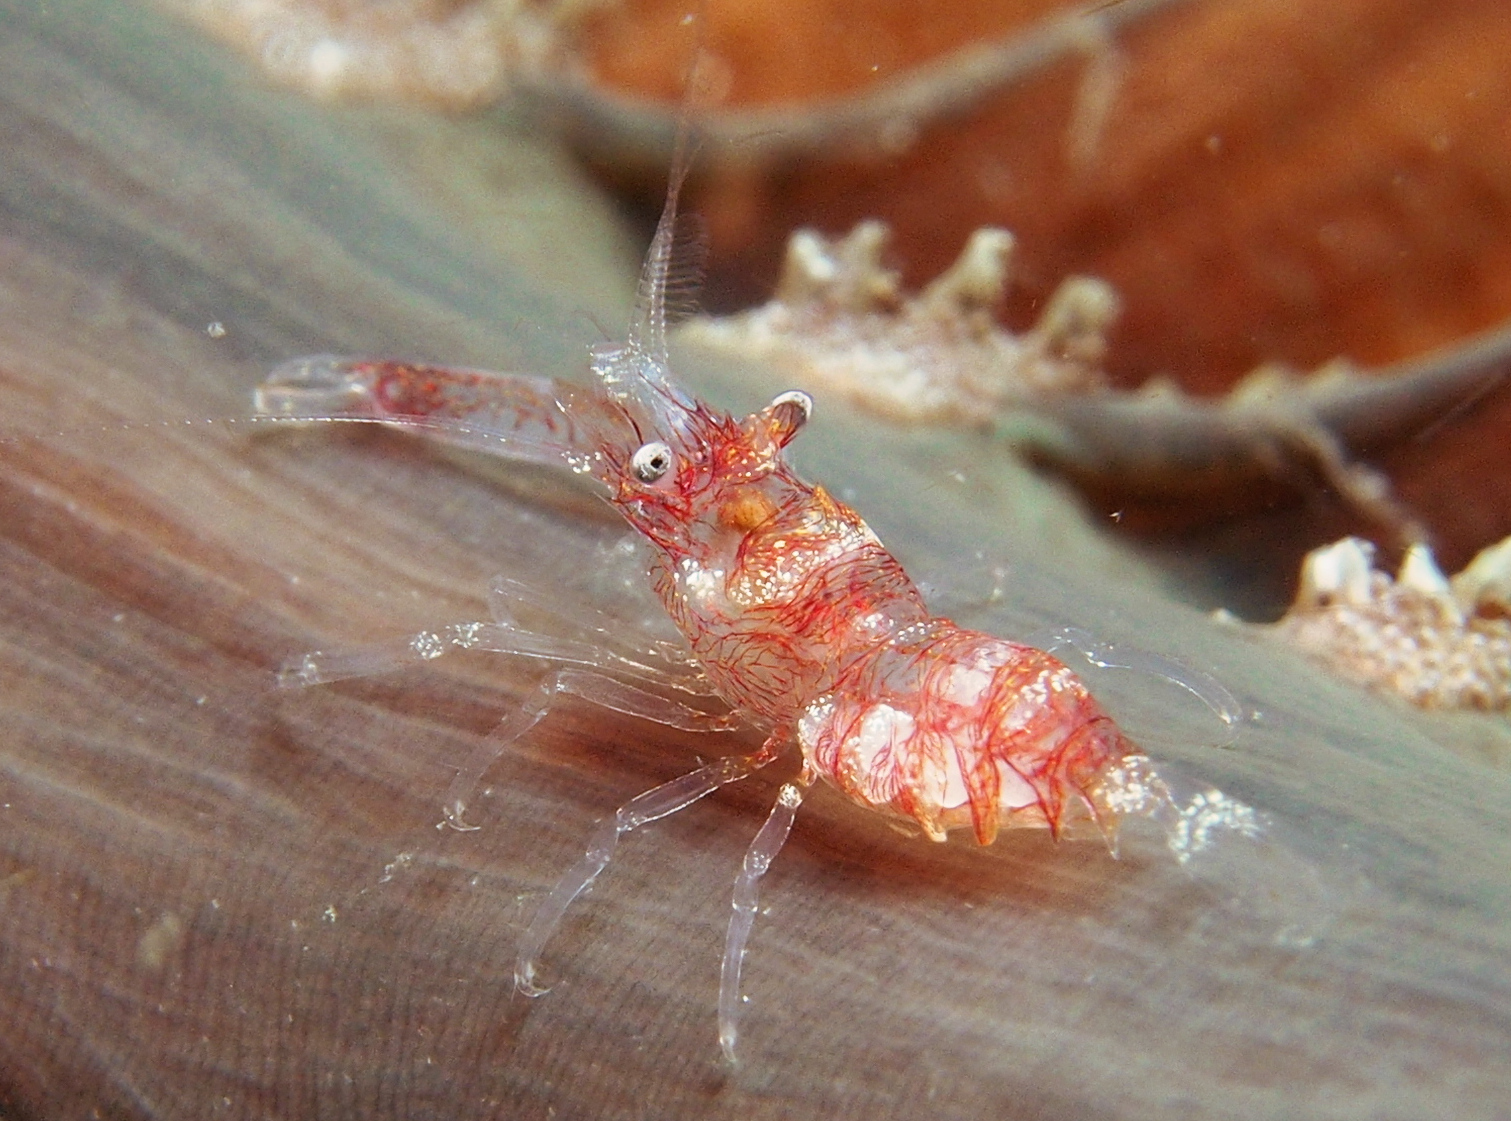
647 335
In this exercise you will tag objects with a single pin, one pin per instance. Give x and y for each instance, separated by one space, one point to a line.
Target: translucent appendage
586 675
607 692
1191 825
1207 816
319 667
763 850
319 385
1203 686
510 415
642 809
470 773
508 597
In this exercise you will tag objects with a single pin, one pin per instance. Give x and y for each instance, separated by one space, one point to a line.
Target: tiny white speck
216 330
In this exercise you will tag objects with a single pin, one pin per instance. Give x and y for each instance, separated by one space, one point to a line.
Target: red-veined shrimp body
794 614
804 621
953 728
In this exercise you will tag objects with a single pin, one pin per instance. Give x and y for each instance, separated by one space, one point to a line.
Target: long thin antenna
648 326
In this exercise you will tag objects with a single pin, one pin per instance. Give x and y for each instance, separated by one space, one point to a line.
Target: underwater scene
1046 651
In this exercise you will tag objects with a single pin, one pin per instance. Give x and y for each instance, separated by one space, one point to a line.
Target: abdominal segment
950 728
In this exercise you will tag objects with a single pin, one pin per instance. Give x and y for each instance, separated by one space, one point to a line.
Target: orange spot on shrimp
747 509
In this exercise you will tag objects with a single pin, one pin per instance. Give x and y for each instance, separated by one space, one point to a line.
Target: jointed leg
576 634
1104 655
768 842
606 691
652 663
643 808
320 668
623 639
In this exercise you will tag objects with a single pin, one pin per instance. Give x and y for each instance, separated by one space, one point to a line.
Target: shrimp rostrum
794 613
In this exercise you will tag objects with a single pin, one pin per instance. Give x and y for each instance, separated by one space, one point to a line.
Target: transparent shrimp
795 616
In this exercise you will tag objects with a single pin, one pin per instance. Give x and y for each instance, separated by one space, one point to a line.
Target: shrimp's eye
651 461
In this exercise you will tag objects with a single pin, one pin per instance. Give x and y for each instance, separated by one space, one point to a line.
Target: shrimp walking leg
763 849
507 597
319 667
653 805
595 644
1203 686
608 692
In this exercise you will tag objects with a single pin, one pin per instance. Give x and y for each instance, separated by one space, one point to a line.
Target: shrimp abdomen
953 728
